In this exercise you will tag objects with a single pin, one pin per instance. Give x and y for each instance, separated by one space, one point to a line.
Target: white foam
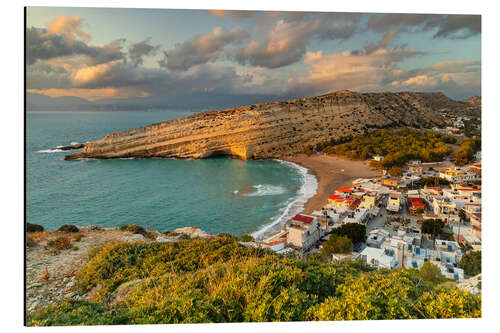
294 205
265 189
50 151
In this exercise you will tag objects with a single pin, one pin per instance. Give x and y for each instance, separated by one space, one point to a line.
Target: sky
102 53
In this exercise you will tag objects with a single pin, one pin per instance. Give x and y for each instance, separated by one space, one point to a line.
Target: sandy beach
331 172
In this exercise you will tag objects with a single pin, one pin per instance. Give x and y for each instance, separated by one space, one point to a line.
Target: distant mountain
191 101
39 102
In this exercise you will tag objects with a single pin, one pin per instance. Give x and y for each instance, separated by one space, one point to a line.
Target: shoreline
307 190
330 172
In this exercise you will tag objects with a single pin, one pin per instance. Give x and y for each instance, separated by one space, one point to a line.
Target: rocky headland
277 129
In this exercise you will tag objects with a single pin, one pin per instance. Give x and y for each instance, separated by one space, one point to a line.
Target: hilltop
277 129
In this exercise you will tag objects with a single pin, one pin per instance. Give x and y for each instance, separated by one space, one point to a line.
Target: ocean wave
294 205
50 151
265 189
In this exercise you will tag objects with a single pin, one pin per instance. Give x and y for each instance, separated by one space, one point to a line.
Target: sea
215 195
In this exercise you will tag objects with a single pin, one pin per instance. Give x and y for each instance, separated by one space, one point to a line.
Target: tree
354 231
419 210
395 171
471 263
463 215
433 227
337 244
431 273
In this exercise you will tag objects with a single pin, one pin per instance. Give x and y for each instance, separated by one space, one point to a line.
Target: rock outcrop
276 129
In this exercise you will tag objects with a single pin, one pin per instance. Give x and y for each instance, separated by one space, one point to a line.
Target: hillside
276 129
217 279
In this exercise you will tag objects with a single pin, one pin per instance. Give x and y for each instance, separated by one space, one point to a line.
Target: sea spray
295 205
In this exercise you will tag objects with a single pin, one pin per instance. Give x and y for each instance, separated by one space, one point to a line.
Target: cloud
377 70
234 14
137 51
386 39
69 26
43 45
445 26
286 42
202 49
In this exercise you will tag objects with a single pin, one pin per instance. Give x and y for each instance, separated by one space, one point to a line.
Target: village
430 213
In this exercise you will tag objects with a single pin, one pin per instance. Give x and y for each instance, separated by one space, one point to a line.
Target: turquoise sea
216 195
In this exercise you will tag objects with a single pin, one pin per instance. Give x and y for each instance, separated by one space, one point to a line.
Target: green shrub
136 229
76 312
34 227
68 228
431 273
124 227
246 238
337 244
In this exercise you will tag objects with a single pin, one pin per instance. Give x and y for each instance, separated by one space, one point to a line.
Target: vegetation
432 181
395 171
431 273
337 244
133 228
354 231
219 280
60 243
467 150
471 263
472 128
246 238
433 227
398 146
34 227
68 228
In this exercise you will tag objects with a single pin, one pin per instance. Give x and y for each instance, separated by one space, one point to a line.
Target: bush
124 227
136 229
34 227
471 263
60 243
395 171
337 244
246 238
68 228
431 273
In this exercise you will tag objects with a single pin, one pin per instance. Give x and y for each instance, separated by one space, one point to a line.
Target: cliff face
271 130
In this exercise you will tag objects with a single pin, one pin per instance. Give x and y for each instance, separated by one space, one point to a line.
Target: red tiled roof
416 202
355 204
303 218
335 197
478 215
344 189
434 188
275 242
469 189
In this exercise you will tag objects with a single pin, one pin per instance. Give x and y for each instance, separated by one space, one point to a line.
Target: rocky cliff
276 129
